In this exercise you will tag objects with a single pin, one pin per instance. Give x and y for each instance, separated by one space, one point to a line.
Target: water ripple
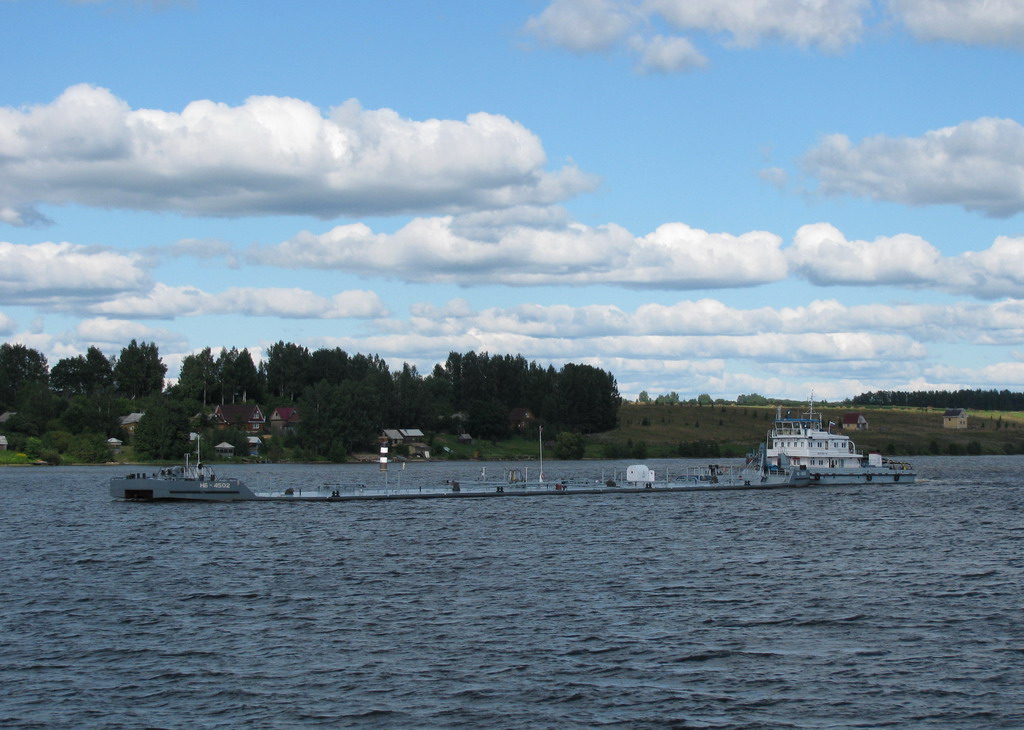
838 607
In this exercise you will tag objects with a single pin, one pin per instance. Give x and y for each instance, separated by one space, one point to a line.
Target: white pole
540 438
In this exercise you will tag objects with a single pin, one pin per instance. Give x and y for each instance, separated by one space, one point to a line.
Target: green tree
569 445
82 375
286 370
331 365
138 371
88 448
163 433
19 366
413 406
585 399
322 418
239 378
37 409
92 413
487 419
199 377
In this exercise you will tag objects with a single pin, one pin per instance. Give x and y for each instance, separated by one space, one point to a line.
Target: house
3 443
954 418
248 418
114 445
224 449
129 422
465 438
520 418
396 436
254 445
854 422
284 420
413 438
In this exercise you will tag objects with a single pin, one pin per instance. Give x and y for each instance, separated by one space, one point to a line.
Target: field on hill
649 431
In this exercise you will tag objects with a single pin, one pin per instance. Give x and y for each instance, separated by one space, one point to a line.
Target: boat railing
713 473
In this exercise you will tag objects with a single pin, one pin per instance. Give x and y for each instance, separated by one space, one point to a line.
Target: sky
783 197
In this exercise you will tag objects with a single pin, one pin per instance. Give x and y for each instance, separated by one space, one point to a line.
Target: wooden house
854 422
284 420
248 418
954 418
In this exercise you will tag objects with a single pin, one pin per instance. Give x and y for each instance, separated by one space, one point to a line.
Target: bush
569 446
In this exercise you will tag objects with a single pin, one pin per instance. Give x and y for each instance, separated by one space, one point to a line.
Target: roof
239 413
411 433
955 413
285 414
224 445
852 417
131 418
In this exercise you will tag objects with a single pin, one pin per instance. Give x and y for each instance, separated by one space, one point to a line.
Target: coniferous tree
199 376
138 371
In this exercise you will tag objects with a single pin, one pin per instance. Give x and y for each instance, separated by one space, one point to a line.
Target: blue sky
772 196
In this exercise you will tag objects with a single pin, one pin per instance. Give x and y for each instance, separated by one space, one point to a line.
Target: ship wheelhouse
804 442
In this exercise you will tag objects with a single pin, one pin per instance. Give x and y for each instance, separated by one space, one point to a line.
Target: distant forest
344 400
977 400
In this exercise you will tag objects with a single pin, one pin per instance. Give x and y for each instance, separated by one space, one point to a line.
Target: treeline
977 400
344 400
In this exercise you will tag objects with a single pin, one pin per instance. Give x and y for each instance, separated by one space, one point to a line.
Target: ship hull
860 476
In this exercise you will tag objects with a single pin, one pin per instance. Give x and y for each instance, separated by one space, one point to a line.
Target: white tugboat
828 458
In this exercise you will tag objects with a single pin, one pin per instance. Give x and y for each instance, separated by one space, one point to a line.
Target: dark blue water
835 607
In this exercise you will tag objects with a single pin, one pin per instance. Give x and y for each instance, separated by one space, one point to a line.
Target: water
835 607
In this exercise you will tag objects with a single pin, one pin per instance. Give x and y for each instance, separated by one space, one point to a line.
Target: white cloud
202 248
994 272
7 324
111 335
583 25
976 22
706 346
774 176
586 26
531 247
711 321
168 302
526 251
827 24
824 256
64 272
271 155
978 165
667 54
822 253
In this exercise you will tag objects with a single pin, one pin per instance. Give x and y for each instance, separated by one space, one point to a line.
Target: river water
875 606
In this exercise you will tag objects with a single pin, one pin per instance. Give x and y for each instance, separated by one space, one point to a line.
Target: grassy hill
649 431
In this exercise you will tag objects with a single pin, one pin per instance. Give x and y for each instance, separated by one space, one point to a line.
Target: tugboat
194 482
828 458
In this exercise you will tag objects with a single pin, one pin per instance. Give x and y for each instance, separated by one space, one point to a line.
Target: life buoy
869 477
